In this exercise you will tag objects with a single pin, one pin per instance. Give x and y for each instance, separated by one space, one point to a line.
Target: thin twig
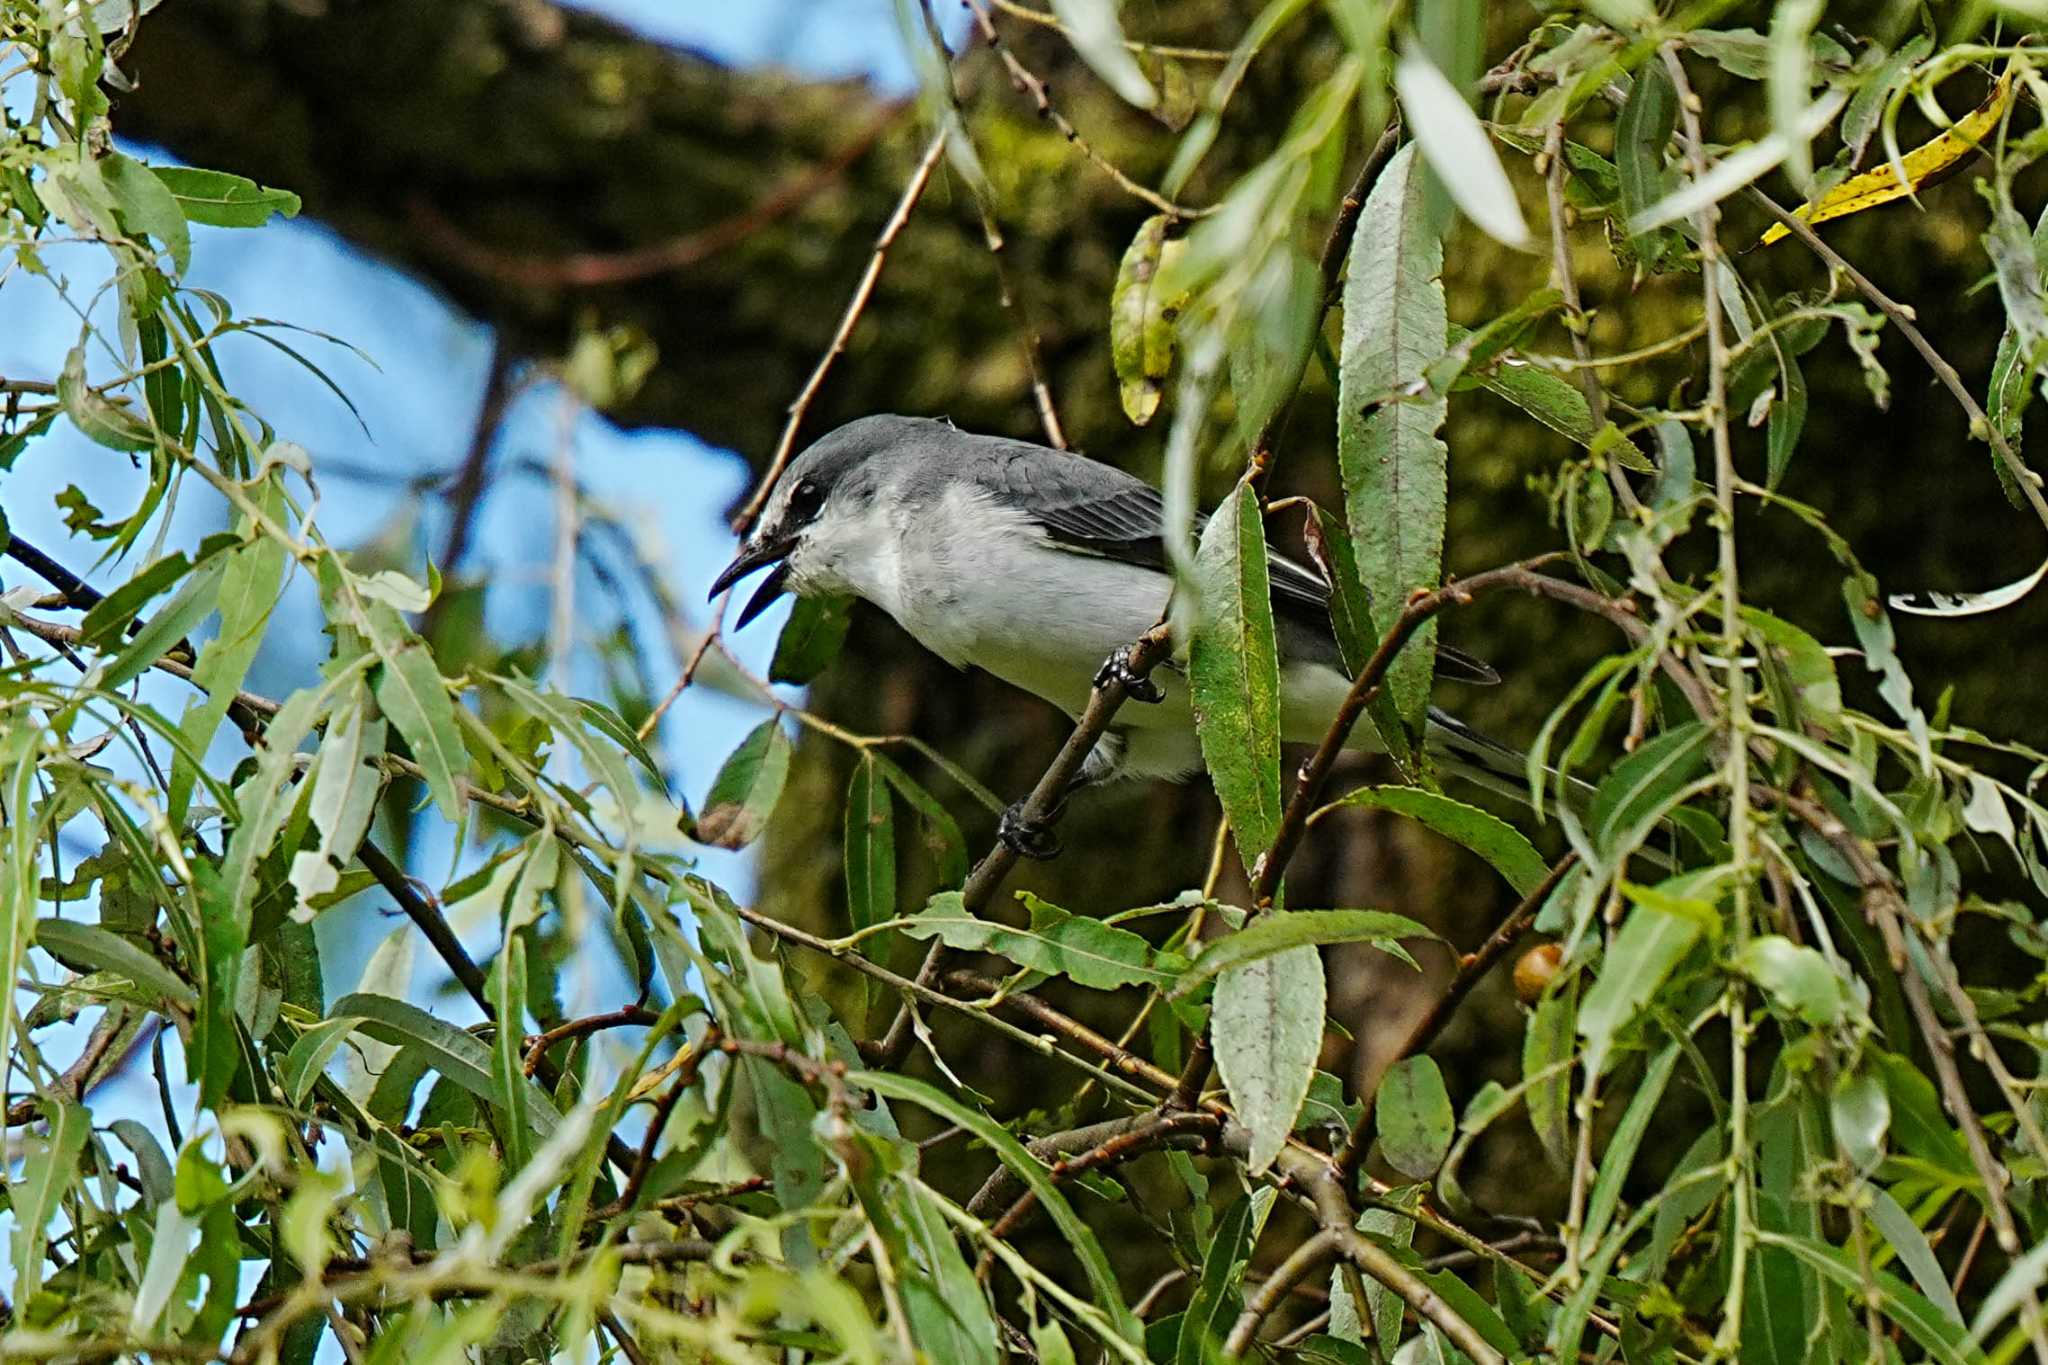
1902 318
1300 1263
1032 87
466 490
1471 968
862 292
1041 808
631 1016
588 269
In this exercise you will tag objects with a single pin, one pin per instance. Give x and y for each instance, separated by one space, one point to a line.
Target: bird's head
828 518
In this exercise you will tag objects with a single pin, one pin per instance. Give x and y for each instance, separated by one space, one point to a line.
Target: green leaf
1285 930
248 593
1926 1324
1141 331
1548 1043
148 205
1234 672
1641 133
1216 1300
346 783
942 832
870 847
1092 27
1807 665
49 1165
1032 1172
1649 945
457 1055
98 949
810 639
219 199
102 420
1085 950
1394 465
301 1067
1797 978
110 615
946 1305
1897 1227
1266 1026
1636 791
1329 545
1621 1147
1413 1117
744 793
415 699
1491 837
1270 346
1458 149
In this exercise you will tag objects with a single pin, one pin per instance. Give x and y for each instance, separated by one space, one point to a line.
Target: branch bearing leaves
1491 837
1234 672
1033 1173
810 639
1394 466
1458 149
1085 950
1413 1117
1652 940
454 1053
1266 1025
748 785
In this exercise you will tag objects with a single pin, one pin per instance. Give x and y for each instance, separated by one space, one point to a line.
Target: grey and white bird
1036 565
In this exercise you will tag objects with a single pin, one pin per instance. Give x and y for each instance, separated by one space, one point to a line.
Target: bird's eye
804 501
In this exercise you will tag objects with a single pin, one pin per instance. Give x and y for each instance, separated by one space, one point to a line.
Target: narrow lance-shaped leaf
1266 1025
1491 837
748 785
415 699
1641 134
1086 951
1270 934
1458 149
1234 672
1092 27
345 786
1414 1117
49 1162
810 639
1394 466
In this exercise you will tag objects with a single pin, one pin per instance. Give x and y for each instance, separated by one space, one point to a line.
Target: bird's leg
1138 687
1029 838
1025 837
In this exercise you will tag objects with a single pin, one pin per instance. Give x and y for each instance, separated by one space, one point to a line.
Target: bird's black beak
751 557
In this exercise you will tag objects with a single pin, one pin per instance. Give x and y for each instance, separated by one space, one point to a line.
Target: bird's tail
1480 759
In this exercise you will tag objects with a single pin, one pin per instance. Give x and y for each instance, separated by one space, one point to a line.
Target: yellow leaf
1912 173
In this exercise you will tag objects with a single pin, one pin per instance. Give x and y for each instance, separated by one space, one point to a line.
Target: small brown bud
1534 971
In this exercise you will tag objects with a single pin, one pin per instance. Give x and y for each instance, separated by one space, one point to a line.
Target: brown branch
1030 86
589 269
467 488
1308 790
1089 1146
1471 968
1300 1263
1129 1138
643 1160
631 1016
1902 318
855 306
1042 808
1118 1057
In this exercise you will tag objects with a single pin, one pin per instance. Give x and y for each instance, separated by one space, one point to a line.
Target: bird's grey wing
1099 509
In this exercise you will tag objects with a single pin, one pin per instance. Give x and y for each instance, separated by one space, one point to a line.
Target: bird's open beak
751 557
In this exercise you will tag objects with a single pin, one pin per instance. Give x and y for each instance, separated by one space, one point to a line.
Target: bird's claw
1024 837
1117 668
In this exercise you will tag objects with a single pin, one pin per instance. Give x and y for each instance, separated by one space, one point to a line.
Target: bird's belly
1051 619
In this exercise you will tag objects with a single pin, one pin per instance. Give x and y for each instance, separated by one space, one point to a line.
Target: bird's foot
1138 687
1026 838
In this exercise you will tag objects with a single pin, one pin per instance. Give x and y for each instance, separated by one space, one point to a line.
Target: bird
1041 566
